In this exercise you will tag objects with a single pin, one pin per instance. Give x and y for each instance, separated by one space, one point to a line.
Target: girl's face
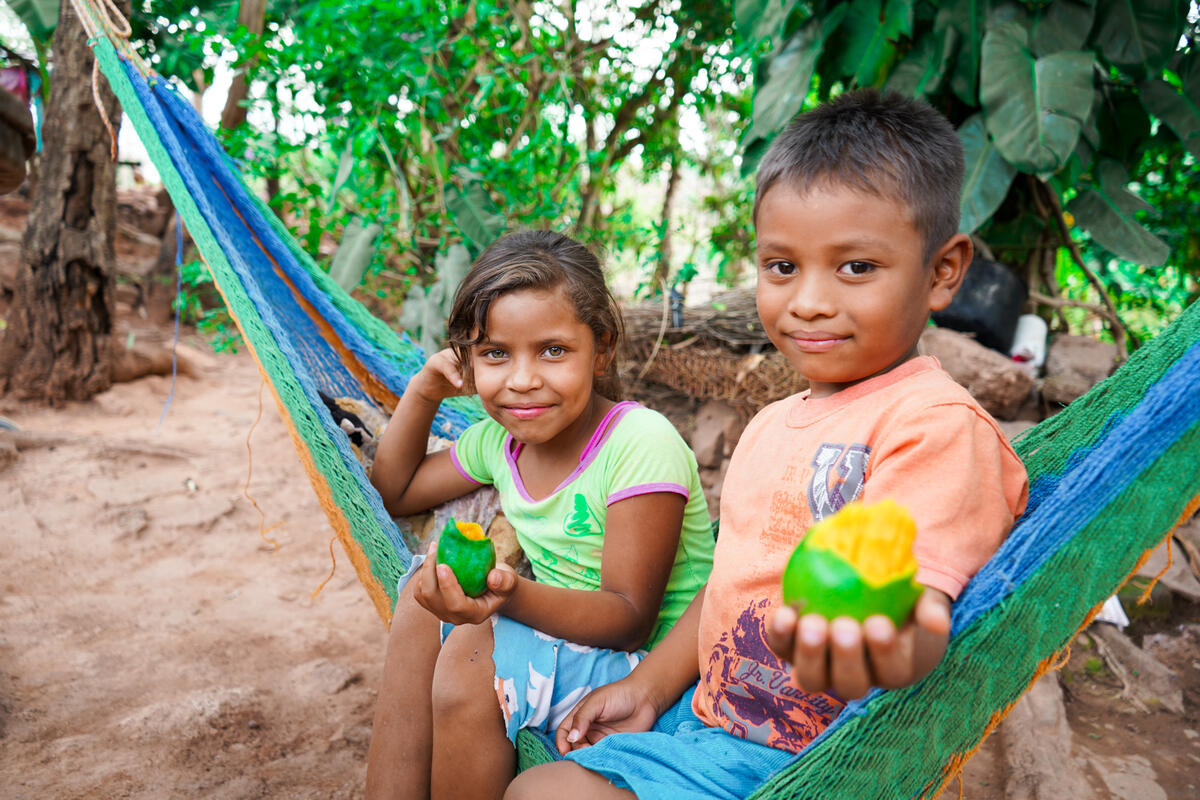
535 366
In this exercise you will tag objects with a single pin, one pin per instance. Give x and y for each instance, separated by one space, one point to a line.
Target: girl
604 496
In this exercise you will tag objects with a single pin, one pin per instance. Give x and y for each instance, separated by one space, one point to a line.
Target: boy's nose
810 299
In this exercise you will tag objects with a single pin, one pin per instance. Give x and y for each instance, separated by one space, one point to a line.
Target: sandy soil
151 643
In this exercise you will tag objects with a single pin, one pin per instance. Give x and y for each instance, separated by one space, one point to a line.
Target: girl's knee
463 678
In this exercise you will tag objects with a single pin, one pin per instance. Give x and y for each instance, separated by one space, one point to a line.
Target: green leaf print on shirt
581 521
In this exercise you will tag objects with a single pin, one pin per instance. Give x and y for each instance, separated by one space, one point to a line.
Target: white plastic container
1029 341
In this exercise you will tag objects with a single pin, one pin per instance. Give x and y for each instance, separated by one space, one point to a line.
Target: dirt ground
152 645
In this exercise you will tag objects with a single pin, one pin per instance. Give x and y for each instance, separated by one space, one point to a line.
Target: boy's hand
622 707
846 658
441 377
436 589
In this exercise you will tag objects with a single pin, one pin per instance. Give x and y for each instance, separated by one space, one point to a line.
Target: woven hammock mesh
1110 476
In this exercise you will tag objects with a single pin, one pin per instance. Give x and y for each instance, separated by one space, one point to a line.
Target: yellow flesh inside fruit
876 540
470 530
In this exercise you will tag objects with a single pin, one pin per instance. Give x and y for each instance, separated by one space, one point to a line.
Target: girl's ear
604 353
949 266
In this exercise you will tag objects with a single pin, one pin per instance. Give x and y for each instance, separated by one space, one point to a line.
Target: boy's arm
848 658
637 701
407 479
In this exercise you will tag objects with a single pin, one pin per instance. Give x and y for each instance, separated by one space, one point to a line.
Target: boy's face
844 290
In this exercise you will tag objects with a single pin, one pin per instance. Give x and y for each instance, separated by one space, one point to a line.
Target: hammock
1110 476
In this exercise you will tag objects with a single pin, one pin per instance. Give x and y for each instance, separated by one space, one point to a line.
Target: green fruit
857 563
469 554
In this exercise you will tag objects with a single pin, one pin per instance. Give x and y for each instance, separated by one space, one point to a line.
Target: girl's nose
524 376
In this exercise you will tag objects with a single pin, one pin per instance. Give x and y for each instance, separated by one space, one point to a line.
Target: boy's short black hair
878 142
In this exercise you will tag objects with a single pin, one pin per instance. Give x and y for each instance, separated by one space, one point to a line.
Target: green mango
468 552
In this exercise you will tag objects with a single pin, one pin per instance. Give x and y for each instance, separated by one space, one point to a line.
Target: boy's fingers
781 632
891 661
848 673
809 662
933 613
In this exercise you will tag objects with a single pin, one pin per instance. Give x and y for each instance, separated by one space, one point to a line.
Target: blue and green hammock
1110 476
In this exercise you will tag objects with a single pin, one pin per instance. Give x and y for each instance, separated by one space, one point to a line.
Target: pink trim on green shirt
647 488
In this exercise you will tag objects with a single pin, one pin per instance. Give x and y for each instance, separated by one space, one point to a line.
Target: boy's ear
950 264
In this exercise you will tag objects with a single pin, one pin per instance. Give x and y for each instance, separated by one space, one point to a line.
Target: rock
998 383
322 677
1037 747
1089 359
1179 578
1063 388
1129 778
718 426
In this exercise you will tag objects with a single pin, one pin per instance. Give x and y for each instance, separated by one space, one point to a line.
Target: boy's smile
844 289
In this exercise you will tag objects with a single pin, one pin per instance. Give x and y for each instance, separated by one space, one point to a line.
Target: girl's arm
407 478
640 541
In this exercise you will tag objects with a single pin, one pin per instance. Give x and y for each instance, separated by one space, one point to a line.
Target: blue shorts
684 759
539 678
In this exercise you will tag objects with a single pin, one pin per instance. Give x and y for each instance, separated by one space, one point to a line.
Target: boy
856 216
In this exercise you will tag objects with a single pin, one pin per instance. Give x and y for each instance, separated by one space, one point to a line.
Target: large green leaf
790 73
40 17
1141 35
969 19
1035 107
1179 111
865 41
1107 211
922 70
1063 25
473 211
987 177
354 253
756 20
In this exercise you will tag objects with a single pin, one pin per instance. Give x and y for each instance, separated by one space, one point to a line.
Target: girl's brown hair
537 260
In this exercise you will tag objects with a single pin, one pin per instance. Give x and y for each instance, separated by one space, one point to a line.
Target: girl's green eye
555 351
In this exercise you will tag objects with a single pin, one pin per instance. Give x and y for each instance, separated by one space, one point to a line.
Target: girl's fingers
810 653
847 659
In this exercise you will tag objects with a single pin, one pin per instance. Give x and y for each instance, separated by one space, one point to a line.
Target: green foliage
197 305
1072 93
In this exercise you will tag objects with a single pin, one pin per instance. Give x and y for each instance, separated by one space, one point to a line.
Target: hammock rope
1110 476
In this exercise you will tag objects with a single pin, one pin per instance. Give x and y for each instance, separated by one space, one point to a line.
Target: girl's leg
399 757
472 755
563 779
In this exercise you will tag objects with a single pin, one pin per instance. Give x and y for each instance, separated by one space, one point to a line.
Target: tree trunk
56 347
252 16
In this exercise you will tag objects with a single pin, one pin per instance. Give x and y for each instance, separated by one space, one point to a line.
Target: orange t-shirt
912 435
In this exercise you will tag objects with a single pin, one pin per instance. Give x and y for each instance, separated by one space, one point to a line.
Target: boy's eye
856 268
782 267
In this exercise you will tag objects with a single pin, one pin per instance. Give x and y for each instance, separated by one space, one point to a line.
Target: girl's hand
848 658
622 707
437 590
441 377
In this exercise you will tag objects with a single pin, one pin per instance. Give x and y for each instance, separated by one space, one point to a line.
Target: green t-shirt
634 451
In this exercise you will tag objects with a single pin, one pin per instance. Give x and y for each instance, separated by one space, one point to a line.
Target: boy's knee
563 779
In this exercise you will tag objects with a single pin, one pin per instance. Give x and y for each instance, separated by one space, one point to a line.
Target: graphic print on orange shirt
758 700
